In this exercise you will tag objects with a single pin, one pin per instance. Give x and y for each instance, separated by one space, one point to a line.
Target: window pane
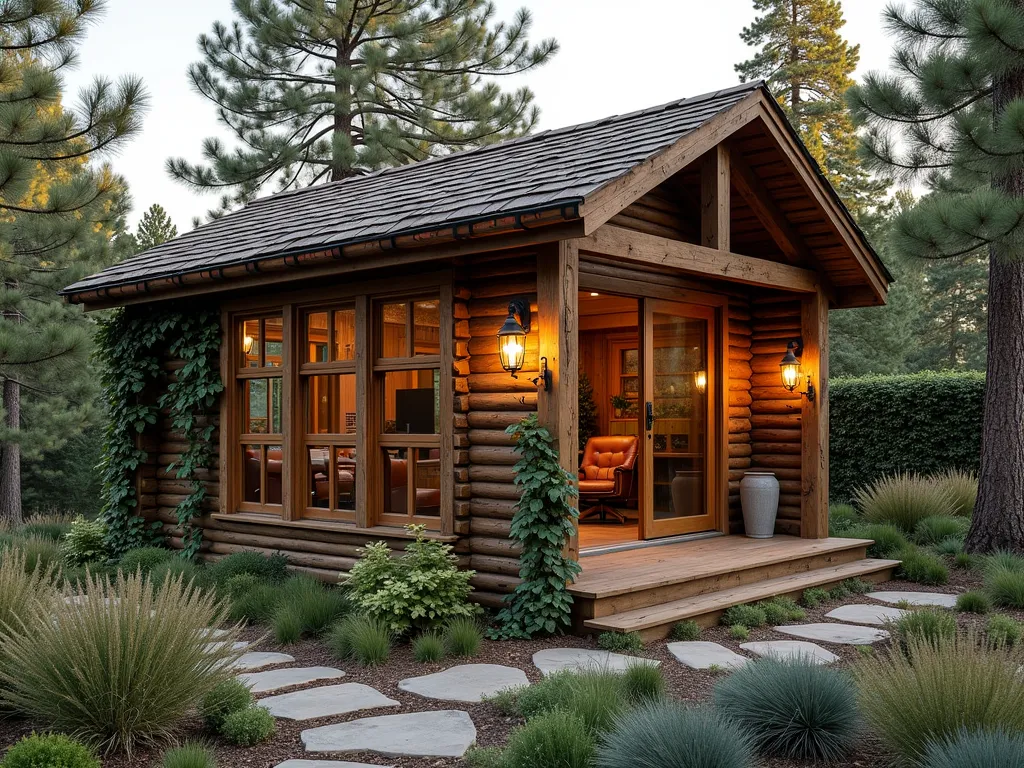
273 331
316 337
252 473
251 343
344 334
427 474
256 406
274 466
318 472
393 323
276 393
331 404
426 328
396 481
345 478
411 401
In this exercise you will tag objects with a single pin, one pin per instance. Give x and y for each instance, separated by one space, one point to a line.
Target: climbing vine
543 522
130 347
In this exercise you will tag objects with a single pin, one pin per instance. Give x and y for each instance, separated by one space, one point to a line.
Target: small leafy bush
556 739
932 530
667 734
904 500
841 518
888 539
272 569
921 567
815 596
422 588
52 750
462 637
643 683
1003 631
927 625
1005 586
621 642
951 547
428 647
189 756
750 616
793 708
781 610
932 691
228 697
143 559
685 631
858 586
85 542
976 749
248 727
973 602
739 632
962 489
363 638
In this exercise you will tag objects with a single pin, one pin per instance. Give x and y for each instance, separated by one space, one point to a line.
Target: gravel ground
493 727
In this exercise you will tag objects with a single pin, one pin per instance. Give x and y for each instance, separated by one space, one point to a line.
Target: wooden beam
557 308
627 245
814 418
715 202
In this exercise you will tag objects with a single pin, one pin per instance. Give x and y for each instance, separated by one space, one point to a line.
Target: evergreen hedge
922 422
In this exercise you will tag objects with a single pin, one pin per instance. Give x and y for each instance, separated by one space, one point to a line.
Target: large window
259 384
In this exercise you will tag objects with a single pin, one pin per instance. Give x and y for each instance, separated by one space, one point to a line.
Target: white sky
609 63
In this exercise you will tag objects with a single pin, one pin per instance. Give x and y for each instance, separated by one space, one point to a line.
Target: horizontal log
503 401
789 513
739 385
483 526
739 425
793 448
775 420
491 364
488 564
495 491
772 461
503 509
210 503
496 437
492 474
740 353
773 393
788 527
739 413
495 582
279 543
739 398
739 462
739 450
500 382
325 562
739 369
488 345
490 312
493 454
484 545
739 437
775 406
738 340
493 419
777 435
492 600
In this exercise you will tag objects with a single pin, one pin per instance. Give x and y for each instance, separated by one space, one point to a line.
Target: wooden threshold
625 546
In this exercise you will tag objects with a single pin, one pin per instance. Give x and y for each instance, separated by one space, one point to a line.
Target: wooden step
655 622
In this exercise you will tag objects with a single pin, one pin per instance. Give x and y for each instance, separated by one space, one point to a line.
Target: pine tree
808 65
315 90
950 116
57 216
155 227
951 333
586 415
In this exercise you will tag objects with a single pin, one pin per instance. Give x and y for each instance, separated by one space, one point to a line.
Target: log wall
740 398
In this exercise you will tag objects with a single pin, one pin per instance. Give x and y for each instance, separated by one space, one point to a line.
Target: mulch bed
492 727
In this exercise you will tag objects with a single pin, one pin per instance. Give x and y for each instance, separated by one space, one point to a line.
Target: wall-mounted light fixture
790 369
512 343
700 381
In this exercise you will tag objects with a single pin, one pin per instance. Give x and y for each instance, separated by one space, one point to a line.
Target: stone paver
843 634
699 654
937 599
556 659
440 733
275 679
791 649
326 701
326 764
859 613
241 645
260 659
213 634
466 682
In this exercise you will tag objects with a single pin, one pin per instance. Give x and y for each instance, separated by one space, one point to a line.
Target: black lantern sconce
512 343
790 369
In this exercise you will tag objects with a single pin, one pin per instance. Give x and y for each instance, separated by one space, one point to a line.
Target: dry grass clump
903 500
962 488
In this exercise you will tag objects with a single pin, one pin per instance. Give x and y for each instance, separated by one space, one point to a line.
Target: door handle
650 415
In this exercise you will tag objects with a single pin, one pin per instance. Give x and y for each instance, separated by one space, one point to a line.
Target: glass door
680 387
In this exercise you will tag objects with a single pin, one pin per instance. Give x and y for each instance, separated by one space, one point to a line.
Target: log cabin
671 256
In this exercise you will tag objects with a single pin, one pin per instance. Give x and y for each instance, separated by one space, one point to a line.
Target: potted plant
624 407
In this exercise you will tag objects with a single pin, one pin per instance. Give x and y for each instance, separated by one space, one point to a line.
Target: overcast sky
609 63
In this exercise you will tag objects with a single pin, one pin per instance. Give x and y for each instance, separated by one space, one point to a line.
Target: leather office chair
607 474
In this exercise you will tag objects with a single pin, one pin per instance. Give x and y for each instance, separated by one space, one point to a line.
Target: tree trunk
999 512
10 456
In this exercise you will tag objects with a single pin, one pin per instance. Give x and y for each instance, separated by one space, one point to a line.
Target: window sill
383 531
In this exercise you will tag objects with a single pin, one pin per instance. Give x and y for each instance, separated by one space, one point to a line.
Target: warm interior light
790 368
700 381
592 293
247 342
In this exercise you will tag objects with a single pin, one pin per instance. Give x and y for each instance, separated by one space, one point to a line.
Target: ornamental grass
976 749
903 500
120 673
962 488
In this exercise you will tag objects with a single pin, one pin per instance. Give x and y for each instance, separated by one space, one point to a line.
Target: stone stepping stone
466 682
241 645
935 599
260 659
557 659
699 654
325 701
327 764
783 650
213 633
275 679
441 733
843 634
859 613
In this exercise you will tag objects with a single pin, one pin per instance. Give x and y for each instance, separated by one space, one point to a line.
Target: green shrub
858 586
932 530
257 603
921 567
248 727
23 592
973 602
841 518
366 639
815 596
964 561
781 610
667 734
421 588
462 637
962 487
621 642
143 559
46 527
228 697
931 625
556 740
903 499
685 631
950 547
750 616
1002 560
240 584
428 647
1003 631
52 750
189 756
596 696
794 708
118 673
179 568
485 757
739 632
272 569
315 605
1005 587
643 683
976 749
85 542
888 540
39 552
933 690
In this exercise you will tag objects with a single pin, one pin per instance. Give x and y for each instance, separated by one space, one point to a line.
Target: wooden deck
648 590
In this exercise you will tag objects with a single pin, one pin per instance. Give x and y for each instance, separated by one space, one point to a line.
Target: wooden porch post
557 286
715 202
814 418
